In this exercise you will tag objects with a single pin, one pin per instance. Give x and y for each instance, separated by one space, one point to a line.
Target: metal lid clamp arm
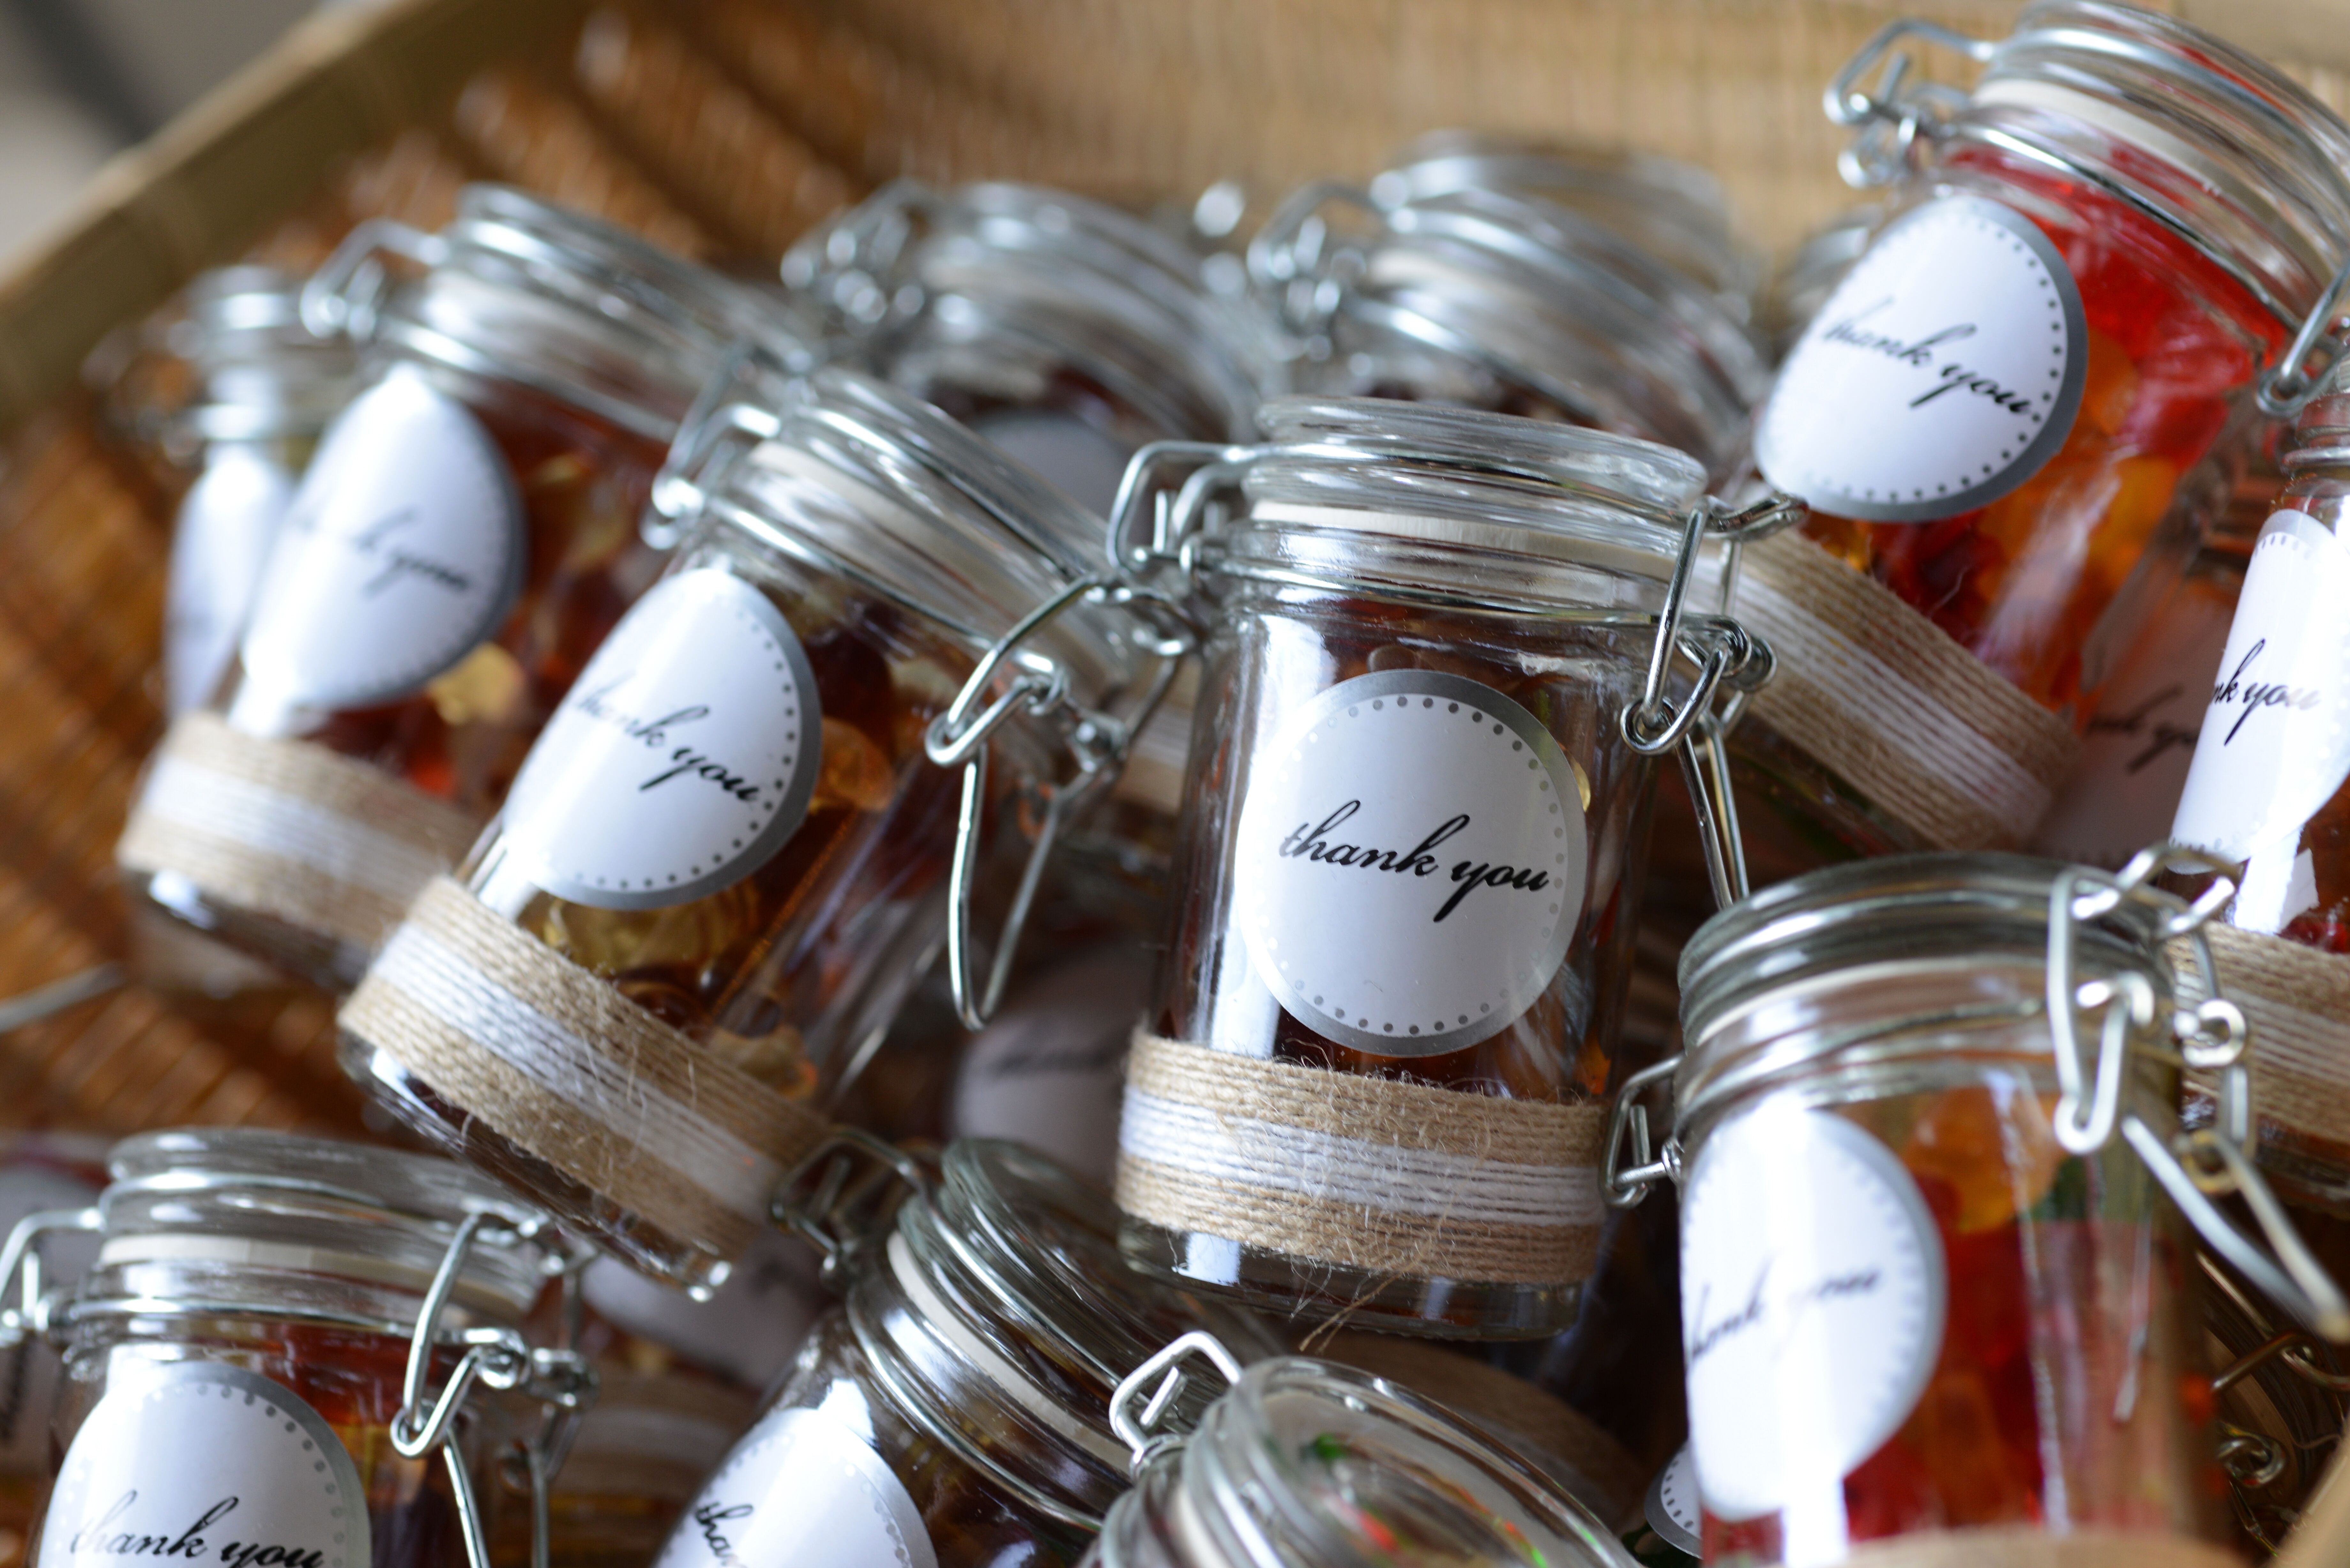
1134 1428
838 1197
561 1380
33 1315
1889 120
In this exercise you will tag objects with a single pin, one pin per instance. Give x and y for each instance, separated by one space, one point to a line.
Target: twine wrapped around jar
2297 1001
1894 705
289 829
556 1061
1364 1173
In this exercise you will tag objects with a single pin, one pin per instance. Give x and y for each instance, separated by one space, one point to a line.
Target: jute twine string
556 1061
2021 1547
1363 1173
1891 702
2297 1002
289 829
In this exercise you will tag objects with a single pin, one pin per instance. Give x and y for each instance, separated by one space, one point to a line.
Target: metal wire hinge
2197 1166
1891 120
2286 386
1134 1429
837 1197
558 1378
1097 741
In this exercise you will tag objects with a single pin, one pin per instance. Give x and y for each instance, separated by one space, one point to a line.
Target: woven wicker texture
723 127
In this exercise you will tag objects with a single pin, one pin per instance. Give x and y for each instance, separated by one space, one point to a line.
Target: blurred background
80 79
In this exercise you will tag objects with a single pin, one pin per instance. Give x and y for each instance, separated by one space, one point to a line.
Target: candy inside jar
1409 865
1933 1283
1068 333
728 856
2085 268
463 540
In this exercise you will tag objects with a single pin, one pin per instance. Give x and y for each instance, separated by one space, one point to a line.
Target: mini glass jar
637 1459
268 388
738 843
287 1352
1676 213
462 542
2269 794
1501 300
1411 856
1934 1280
2087 272
1304 1464
1068 333
953 1411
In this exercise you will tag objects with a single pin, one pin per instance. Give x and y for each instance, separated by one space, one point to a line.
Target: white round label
801 1491
220 547
1672 1508
404 549
1944 371
1410 862
680 760
2275 744
208 1462
1813 1300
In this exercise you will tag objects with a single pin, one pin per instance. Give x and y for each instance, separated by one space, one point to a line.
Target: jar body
1501 732
459 549
769 911
1976 1331
186 1413
1991 418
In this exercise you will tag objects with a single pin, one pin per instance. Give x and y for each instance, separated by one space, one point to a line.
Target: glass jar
2269 794
1676 213
1065 332
1500 299
638 1457
269 389
464 539
953 1411
1411 859
731 852
41 1173
285 1354
1304 1464
2084 266
1933 1279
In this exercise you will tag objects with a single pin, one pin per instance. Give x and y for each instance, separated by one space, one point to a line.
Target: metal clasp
837 1198
1133 1428
844 265
343 297
2193 1167
1624 1184
2286 386
561 1380
1097 742
20 1261
1891 120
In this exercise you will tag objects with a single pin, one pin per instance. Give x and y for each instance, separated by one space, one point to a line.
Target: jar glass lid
243 1200
1544 493
1307 1463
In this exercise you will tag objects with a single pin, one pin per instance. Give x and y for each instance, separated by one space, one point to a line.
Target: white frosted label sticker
683 757
2276 737
208 1462
220 546
1672 1509
1812 1300
1410 862
404 549
801 1491
2125 788
1944 371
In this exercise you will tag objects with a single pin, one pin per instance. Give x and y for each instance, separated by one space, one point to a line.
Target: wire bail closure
562 1380
1134 1428
345 295
34 1314
837 1198
1888 121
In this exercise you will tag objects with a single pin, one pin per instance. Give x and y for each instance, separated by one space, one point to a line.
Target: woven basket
723 127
